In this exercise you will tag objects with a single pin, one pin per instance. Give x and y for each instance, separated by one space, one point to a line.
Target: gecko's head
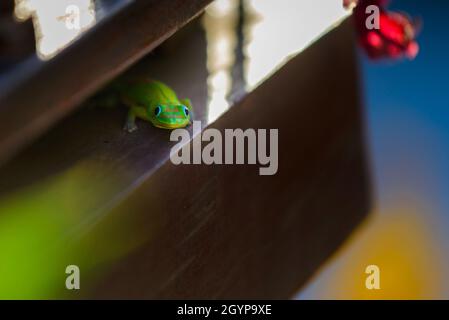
168 116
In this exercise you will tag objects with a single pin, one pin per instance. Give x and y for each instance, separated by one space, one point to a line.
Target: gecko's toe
130 128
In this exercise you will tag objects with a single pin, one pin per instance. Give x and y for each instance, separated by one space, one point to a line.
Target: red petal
374 39
412 50
396 36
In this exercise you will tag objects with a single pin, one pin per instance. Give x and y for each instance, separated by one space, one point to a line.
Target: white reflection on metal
274 30
220 23
56 22
282 29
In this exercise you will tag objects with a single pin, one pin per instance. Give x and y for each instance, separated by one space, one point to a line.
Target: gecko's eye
157 111
185 110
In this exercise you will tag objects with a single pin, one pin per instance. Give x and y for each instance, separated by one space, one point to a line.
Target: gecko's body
153 101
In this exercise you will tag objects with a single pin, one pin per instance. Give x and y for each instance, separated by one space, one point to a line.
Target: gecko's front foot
130 124
130 127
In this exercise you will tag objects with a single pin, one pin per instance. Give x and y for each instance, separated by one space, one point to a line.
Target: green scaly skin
152 101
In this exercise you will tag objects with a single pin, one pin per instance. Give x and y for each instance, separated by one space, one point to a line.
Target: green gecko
152 101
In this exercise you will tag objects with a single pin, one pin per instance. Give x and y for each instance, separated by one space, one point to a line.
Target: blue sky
406 107
408 111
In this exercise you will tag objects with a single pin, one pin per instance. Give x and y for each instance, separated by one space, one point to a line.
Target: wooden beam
140 227
224 231
51 90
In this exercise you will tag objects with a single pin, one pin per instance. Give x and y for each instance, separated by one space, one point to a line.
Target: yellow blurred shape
406 252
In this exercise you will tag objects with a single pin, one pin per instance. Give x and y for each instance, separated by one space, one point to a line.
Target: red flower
396 36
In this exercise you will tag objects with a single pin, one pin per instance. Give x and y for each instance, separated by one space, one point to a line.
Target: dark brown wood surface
230 233
148 229
51 90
